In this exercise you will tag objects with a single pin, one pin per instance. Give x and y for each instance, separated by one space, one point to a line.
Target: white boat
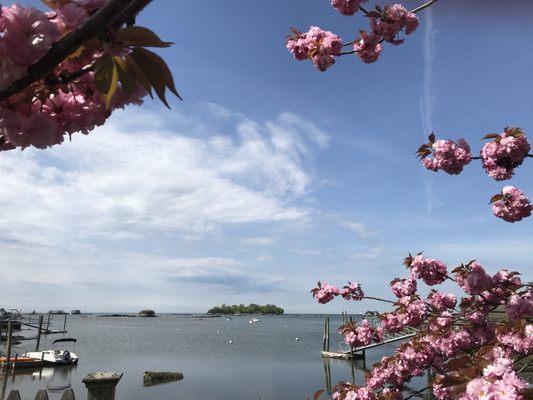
254 321
55 357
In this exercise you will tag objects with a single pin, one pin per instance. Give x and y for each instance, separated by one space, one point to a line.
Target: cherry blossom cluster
470 355
317 45
511 205
42 115
504 153
347 7
360 335
403 287
385 26
431 271
324 292
448 156
500 157
322 47
499 380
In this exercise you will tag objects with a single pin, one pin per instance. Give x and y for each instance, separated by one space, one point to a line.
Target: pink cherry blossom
352 291
325 293
431 271
28 34
441 301
475 280
520 305
317 45
368 47
403 287
513 206
396 18
448 156
506 152
347 7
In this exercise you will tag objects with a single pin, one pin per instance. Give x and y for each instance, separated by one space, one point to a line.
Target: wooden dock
360 352
20 362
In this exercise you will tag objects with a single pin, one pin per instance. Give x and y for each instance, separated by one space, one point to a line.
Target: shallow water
264 361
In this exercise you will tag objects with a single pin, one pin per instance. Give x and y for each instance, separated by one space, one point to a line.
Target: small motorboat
254 321
55 357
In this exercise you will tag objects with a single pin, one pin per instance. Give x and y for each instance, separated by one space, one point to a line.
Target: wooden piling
65 323
324 336
9 341
48 324
39 331
327 333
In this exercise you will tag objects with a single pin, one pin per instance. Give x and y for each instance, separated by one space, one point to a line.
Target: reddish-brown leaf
140 36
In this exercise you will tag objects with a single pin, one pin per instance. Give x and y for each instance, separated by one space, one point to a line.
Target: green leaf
112 87
103 74
126 75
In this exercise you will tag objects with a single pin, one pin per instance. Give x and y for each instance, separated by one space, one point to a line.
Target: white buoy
178 329
231 342
297 339
218 331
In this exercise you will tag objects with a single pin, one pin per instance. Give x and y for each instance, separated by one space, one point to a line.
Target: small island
146 314
249 309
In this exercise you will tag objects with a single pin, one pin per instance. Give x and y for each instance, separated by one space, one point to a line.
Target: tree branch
423 6
115 12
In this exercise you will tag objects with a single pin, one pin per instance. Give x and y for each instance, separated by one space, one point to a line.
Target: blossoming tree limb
66 70
470 355
499 157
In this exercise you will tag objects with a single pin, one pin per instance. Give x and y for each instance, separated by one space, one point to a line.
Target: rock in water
154 378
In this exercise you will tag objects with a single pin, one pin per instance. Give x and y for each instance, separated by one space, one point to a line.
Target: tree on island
249 309
146 313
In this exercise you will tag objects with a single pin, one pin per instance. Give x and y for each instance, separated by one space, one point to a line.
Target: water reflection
357 368
56 379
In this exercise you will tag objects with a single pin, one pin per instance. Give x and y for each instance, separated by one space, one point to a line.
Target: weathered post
9 338
48 324
101 385
327 334
65 323
38 343
324 336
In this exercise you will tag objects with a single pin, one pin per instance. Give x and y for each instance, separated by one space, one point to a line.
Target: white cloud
259 241
362 230
122 183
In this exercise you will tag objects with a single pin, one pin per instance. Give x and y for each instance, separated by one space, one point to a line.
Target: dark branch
114 13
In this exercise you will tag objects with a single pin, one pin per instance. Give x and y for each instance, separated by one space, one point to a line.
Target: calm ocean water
264 361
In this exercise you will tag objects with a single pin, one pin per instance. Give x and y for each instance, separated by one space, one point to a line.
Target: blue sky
271 175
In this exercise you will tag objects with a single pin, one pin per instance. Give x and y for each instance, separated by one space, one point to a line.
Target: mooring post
101 385
65 323
9 337
324 336
327 334
38 343
48 324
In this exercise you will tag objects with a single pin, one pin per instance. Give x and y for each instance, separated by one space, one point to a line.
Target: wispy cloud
362 230
120 184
